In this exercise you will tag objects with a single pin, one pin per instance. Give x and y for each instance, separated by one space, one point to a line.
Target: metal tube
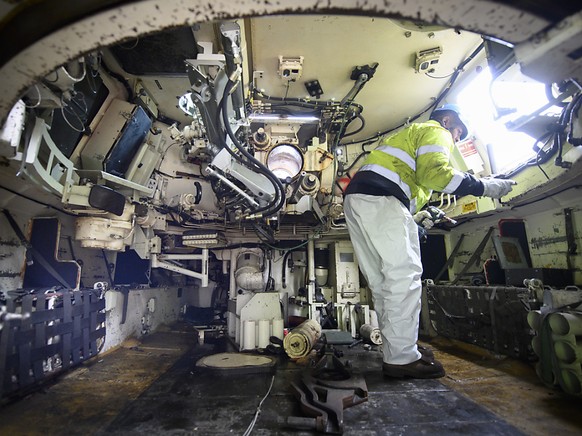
156 261
361 80
311 271
214 173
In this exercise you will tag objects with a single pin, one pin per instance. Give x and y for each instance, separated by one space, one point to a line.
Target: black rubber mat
189 400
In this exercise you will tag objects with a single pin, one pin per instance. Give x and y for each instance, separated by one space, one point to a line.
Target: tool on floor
324 392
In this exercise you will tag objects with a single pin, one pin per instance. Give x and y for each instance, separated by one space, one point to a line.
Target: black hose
268 281
256 164
435 103
284 268
574 111
348 169
274 206
359 129
39 202
121 80
304 103
561 133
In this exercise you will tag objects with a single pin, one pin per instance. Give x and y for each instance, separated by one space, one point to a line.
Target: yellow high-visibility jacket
411 164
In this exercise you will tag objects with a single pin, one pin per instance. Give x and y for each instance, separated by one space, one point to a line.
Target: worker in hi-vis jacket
382 204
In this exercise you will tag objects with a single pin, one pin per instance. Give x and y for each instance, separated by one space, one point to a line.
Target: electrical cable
69 123
440 77
39 98
445 312
359 129
291 100
348 169
269 209
268 281
56 77
575 109
120 79
557 135
304 243
164 155
559 139
279 107
38 202
550 95
93 72
91 83
540 152
539 164
435 103
249 429
303 102
106 261
129 48
76 79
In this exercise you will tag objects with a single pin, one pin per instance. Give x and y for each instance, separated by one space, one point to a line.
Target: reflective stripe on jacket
417 160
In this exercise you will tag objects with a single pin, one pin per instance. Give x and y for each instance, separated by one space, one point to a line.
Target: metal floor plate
154 387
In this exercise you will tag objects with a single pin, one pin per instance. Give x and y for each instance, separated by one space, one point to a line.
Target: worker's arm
433 170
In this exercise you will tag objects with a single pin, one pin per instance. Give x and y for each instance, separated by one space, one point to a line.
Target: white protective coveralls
395 181
385 239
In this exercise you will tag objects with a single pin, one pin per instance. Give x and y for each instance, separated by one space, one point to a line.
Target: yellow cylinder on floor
299 342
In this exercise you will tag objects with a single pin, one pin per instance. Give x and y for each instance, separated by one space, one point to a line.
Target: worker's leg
368 258
385 240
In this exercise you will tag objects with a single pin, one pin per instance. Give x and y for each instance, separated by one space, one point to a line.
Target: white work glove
497 188
424 218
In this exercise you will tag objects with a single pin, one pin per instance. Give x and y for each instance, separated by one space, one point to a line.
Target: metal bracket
159 261
324 393
475 257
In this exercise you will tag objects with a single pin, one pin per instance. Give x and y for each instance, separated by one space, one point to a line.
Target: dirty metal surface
89 397
186 400
154 387
509 388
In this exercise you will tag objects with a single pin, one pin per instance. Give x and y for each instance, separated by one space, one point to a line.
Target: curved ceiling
49 33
